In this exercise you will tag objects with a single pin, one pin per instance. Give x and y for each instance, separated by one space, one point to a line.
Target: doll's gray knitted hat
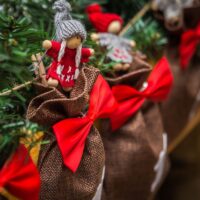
65 26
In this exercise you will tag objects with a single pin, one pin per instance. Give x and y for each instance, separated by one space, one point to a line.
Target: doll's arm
104 39
52 48
95 37
130 43
86 53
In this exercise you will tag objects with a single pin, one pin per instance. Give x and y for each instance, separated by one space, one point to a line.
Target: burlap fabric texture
49 107
133 150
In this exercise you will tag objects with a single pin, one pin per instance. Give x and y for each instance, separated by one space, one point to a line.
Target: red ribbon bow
130 100
71 133
189 41
20 176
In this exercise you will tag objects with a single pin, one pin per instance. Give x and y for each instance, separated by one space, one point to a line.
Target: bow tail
125 110
71 135
21 177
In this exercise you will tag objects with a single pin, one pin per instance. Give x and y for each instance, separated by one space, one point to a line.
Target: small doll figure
109 25
67 51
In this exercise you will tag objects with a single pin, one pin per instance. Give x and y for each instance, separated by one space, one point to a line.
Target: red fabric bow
71 133
189 41
20 176
130 100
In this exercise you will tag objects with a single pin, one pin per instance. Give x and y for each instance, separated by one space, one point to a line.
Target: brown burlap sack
182 101
133 150
49 107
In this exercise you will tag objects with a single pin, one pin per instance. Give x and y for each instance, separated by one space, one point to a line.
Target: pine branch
19 87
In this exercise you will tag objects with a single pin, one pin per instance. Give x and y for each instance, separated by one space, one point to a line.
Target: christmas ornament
19 176
109 25
71 165
80 149
136 151
67 51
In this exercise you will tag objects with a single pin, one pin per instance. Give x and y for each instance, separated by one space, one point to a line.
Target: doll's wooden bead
46 44
94 36
52 82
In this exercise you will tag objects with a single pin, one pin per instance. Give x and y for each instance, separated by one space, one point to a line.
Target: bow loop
159 82
20 176
130 100
189 41
71 133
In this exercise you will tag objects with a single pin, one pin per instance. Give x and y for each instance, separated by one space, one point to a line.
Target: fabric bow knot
189 41
130 100
19 176
71 133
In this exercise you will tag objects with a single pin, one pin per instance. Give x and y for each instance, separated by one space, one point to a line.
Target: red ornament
100 20
130 100
20 176
71 133
189 41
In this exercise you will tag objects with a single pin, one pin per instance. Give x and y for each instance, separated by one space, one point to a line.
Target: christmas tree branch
19 87
136 17
40 73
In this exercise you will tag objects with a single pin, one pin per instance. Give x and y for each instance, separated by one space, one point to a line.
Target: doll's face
114 27
74 42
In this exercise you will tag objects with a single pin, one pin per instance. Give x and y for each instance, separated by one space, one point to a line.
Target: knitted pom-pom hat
66 27
100 20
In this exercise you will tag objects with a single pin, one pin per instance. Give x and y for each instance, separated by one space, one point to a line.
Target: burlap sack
183 99
133 150
49 107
